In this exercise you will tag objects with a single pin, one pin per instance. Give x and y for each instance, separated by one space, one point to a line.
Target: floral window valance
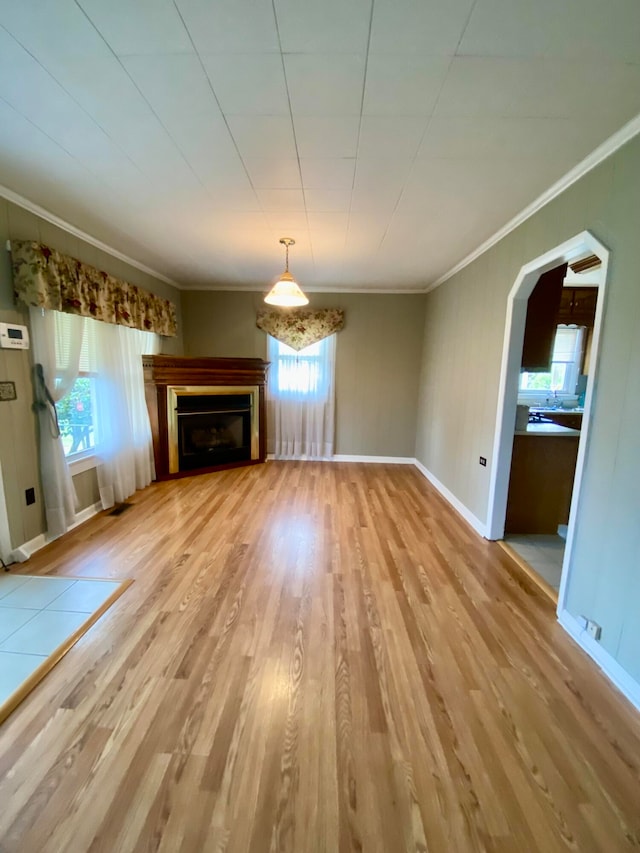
301 328
48 279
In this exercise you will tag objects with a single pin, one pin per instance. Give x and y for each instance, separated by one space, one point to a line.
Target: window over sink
565 365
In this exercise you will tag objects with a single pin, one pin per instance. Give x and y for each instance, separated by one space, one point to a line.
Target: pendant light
285 292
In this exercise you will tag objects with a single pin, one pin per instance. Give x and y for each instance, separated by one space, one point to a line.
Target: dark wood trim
584 264
163 371
182 370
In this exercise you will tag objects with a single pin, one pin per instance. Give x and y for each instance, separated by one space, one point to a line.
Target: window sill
83 463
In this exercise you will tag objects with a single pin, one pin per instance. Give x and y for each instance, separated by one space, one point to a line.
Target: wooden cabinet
573 420
541 482
578 306
542 320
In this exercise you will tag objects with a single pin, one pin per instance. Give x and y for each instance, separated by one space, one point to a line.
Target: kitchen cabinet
543 468
573 420
578 306
542 320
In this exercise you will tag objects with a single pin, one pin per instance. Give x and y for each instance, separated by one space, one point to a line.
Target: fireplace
213 418
210 426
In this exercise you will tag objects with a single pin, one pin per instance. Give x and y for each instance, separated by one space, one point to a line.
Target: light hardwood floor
314 657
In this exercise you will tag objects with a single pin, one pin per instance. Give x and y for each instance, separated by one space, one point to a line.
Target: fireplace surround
206 413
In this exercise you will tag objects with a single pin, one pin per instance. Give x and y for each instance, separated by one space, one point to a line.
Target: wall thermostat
13 337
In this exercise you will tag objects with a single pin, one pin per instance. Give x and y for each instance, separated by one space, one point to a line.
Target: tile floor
543 552
37 614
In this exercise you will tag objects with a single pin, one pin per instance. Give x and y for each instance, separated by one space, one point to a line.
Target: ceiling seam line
213 92
364 89
430 118
419 145
465 27
75 101
144 98
293 130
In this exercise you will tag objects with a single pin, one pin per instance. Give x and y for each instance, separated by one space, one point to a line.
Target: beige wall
377 359
18 437
464 328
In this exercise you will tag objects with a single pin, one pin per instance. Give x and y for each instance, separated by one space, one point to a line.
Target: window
301 399
76 409
565 364
91 403
75 416
300 373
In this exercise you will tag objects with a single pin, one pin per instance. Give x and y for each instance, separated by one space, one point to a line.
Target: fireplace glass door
213 430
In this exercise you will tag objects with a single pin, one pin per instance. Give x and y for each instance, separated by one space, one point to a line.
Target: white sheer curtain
124 446
301 399
59 495
5 535
123 434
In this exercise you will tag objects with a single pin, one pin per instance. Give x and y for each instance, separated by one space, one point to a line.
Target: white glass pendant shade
286 293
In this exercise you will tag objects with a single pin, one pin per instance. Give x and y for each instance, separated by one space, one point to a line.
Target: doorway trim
581 244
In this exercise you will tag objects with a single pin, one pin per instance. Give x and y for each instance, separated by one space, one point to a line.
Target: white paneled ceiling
390 138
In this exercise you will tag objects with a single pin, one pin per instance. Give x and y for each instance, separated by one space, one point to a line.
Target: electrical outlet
483 461
593 629
30 496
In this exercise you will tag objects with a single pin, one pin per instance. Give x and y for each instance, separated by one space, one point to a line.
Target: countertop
558 410
548 429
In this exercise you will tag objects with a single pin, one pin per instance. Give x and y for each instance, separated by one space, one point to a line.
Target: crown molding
606 149
45 214
228 288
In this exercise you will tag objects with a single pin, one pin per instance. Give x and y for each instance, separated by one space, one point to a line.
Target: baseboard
384 460
347 457
271 457
607 663
468 516
85 514
22 553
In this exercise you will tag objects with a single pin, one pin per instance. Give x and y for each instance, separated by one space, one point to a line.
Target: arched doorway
579 246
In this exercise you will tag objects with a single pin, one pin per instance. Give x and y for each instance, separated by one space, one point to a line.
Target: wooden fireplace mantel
163 372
